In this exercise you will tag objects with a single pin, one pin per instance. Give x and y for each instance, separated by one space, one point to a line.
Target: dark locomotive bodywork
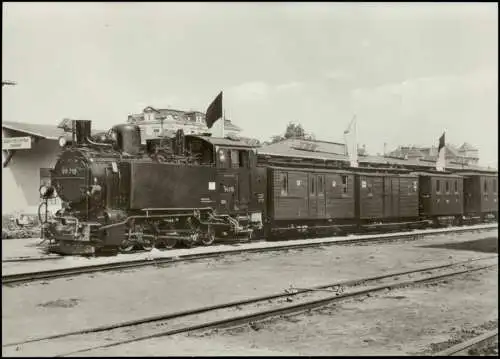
118 194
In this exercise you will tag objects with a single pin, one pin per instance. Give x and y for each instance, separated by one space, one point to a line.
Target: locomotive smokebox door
228 192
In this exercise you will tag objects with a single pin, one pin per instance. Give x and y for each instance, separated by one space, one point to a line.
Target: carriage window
321 184
438 186
447 184
370 187
284 183
495 185
344 184
313 187
485 186
456 186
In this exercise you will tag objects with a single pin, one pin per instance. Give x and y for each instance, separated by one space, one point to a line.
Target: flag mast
353 152
441 156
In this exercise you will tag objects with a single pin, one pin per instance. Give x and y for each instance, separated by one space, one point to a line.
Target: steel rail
186 313
291 309
457 349
74 271
29 259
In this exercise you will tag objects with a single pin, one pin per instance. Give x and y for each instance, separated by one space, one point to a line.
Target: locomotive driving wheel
169 243
147 244
128 243
192 239
208 238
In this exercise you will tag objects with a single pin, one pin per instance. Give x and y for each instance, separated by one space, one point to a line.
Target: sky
408 72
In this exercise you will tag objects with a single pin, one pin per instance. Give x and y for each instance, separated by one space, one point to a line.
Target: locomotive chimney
81 131
180 142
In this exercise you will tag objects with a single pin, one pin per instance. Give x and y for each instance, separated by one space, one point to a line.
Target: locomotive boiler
118 193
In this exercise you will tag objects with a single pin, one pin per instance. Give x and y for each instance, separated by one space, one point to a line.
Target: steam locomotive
118 194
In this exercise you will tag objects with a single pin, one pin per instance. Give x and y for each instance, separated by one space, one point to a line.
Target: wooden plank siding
408 196
303 197
489 194
481 194
387 196
441 195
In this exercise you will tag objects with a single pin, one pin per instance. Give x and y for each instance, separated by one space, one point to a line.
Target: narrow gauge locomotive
192 189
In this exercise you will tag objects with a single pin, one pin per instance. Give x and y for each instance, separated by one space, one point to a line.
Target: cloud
288 86
258 90
429 88
338 75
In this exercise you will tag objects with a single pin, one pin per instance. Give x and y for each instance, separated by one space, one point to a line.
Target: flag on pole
214 111
441 159
218 128
350 139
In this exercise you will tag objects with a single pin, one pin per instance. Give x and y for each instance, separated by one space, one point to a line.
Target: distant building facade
153 122
463 155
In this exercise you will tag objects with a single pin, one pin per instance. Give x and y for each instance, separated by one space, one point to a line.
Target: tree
293 131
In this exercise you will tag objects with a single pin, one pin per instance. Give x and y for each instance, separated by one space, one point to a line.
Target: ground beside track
409 321
61 305
27 248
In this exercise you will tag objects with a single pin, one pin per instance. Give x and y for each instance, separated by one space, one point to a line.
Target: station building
153 121
26 165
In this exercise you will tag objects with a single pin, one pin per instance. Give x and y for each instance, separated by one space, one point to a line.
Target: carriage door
320 191
313 198
316 195
391 197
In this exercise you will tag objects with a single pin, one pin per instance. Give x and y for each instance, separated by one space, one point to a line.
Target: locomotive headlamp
62 141
43 190
46 191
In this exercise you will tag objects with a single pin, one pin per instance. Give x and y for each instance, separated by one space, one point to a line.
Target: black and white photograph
249 179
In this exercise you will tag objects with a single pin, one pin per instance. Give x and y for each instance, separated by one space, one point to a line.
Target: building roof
227 142
330 151
467 147
50 132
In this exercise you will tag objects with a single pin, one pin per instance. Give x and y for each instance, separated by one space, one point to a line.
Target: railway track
29 259
13 279
464 347
233 314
